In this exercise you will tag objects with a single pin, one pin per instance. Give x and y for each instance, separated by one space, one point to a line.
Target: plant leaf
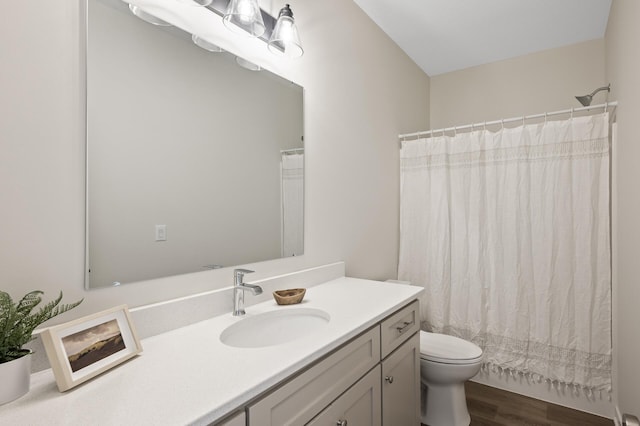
17 320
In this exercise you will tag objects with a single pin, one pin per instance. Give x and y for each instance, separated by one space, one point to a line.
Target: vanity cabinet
373 380
336 375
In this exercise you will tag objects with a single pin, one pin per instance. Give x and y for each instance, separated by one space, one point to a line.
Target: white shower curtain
292 204
509 233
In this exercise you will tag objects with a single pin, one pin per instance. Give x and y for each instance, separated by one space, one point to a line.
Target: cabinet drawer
302 398
399 327
238 419
359 406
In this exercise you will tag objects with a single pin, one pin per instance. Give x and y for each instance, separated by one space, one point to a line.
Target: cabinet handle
404 327
389 379
341 423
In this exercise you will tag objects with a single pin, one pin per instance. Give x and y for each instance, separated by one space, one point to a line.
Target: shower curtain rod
291 150
508 120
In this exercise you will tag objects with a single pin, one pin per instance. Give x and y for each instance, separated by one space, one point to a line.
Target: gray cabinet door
401 385
358 406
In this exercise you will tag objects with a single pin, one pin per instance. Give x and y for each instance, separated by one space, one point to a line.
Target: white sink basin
274 327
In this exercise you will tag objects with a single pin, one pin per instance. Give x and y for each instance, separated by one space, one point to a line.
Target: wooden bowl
290 296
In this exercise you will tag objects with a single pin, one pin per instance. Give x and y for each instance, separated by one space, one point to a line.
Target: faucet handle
239 273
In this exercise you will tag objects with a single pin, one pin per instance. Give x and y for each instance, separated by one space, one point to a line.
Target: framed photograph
83 348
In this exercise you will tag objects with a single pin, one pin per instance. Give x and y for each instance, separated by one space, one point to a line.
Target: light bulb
245 11
284 40
244 17
286 30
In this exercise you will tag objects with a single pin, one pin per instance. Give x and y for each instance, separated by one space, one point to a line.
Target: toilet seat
447 349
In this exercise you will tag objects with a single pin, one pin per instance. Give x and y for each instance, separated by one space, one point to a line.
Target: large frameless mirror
192 161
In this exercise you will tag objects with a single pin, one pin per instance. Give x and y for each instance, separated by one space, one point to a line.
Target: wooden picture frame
86 347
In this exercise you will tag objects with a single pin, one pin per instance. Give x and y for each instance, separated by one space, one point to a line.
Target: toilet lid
448 349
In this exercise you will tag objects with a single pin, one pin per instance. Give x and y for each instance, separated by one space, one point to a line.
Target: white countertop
187 376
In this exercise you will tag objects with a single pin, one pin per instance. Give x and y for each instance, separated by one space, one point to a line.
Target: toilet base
445 405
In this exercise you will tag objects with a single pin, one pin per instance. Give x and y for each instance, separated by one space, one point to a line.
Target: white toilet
446 362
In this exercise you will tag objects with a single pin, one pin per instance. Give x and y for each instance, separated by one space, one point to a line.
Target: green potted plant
17 322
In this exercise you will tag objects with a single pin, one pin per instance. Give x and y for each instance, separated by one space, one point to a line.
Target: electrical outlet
161 232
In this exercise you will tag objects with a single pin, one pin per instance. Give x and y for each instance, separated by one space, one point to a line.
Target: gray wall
361 91
530 84
623 71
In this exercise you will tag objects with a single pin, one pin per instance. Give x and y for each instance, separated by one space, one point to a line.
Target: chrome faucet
239 288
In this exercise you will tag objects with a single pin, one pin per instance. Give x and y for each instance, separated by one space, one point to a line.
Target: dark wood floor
494 407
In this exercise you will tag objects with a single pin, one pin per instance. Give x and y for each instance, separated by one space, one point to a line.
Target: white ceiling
448 35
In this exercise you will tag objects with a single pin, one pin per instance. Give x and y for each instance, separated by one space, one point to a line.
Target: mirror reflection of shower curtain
292 172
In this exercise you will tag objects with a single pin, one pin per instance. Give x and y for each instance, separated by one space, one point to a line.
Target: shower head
586 99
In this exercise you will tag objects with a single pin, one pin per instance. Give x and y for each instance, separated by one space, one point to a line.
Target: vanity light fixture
147 17
244 17
196 2
200 42
247 64
284 40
